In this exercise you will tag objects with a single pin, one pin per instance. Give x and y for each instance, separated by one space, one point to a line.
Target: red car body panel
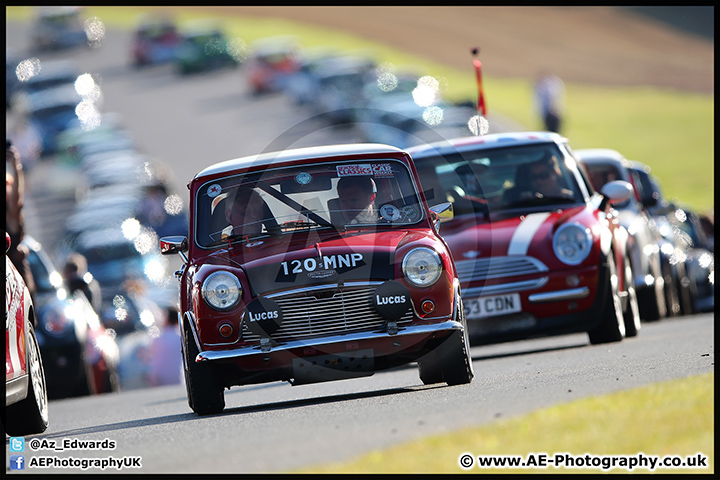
17 305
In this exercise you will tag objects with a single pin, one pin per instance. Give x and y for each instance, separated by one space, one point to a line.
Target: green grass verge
668 418
671 131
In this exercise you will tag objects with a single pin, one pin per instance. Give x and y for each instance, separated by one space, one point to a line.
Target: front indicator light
422 267
427 306
221 290
226 330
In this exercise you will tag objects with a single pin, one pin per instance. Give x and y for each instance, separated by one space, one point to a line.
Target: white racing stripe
525 232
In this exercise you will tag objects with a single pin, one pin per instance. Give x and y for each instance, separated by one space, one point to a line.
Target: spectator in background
26 138
77 277
549 99
166 353
14 221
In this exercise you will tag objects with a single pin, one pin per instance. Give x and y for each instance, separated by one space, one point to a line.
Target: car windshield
282 201
493 180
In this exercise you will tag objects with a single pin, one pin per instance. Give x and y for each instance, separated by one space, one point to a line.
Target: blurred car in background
78 141
401 122
673 247
115 253
26 398
154 41
137 313
80 355
341 83
701 258
57 27
538 251
49 74
50 112
271 63
12 60
206 47
605 165
303 86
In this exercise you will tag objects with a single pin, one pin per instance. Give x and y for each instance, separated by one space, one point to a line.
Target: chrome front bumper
213 355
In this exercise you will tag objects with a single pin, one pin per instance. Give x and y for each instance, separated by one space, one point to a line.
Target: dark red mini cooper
315 264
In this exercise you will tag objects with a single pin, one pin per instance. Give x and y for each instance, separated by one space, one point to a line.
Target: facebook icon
17 462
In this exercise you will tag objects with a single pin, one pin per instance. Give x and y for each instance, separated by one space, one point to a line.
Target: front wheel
205 396
612 323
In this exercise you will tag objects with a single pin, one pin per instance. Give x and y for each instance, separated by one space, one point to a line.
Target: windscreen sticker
303 178
214 190
410 212
382 170
354 170
390 212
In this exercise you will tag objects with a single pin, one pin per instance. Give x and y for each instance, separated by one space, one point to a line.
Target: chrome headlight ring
422 266
222 290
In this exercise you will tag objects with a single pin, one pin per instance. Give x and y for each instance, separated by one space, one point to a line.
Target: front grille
327 311
497 267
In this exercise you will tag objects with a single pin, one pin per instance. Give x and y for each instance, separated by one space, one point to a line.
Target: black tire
455 359
672 300
652 299
429 367
631 315
684 288
111 382
205 395
30 416
612 323
649 300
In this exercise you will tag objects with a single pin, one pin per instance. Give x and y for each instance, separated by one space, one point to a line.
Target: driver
357 199
545 178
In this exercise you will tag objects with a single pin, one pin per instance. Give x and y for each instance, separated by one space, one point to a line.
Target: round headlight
422 267
572 243
221 290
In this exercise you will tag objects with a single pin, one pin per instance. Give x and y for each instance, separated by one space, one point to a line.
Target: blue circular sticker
303 178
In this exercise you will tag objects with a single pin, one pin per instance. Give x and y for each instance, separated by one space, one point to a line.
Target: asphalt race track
193 122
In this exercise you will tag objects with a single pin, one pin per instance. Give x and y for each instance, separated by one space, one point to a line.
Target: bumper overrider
401 336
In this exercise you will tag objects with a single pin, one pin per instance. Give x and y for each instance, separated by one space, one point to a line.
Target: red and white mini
538 251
